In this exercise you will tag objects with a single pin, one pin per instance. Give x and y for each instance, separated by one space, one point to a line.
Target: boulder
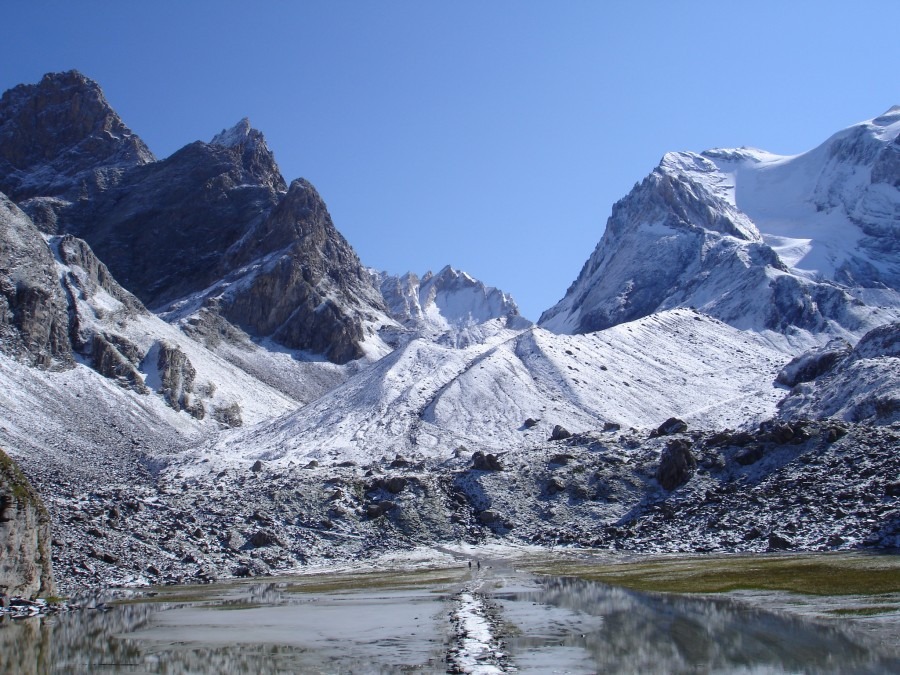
489 517
378 509
559 433
485 462
262 538
673 425
561 459
778 542
751 455
676 464
395 484
530 422
555 485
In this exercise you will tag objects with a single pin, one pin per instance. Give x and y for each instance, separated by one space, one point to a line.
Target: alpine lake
525 612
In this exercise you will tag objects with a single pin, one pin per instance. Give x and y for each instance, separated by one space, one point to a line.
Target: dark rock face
560 433
313 293
25 563
676 464
177 376
60 138
166 228
33 310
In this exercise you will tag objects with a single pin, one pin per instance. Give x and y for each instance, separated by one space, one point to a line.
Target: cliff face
25 565
33 311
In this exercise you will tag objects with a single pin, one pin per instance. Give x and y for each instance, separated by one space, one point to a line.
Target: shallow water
401 624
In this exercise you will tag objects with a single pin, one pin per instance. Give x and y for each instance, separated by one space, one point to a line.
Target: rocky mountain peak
236 135
446 300
61 137
250 146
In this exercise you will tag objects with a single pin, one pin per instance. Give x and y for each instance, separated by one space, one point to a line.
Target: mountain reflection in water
668 633
563 624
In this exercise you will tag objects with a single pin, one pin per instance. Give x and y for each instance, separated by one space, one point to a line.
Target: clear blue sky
494 136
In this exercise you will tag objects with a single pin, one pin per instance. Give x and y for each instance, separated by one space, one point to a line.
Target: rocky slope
786 244
26 568
806 486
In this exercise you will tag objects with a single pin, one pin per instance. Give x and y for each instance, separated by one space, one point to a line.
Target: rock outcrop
33 309
25 564
176 374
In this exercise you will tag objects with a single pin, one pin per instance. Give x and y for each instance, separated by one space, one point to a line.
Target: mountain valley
201 379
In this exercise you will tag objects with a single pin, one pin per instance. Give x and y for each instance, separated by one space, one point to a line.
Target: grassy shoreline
832 574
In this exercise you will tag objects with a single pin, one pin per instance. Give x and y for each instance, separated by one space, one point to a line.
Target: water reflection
563 625
626 631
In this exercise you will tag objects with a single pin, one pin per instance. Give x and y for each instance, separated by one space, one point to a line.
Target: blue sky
493 136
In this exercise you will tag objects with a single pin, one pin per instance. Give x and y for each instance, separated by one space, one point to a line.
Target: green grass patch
864 611
812 574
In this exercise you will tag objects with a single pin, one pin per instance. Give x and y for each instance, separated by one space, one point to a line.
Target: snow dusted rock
447 300
859 385
300 282
166 227
25 564
173 229
809 365
756 240
34 320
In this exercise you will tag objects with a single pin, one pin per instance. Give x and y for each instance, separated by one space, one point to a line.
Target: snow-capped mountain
787 244
447 300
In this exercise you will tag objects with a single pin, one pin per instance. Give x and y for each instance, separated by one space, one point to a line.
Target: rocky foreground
786 486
